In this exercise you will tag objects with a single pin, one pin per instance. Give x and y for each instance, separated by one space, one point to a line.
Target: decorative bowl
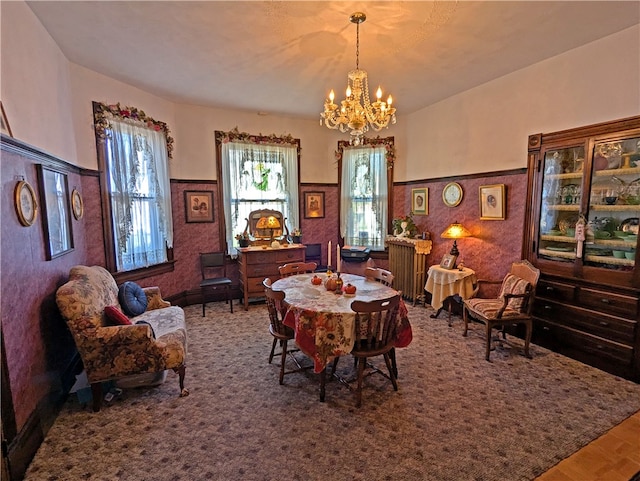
630 255
618 254
554 232
602 234
620 233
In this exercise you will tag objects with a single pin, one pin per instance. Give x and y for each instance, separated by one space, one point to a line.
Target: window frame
105 202
235 135
389 143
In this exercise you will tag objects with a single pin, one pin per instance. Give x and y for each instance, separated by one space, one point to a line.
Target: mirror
266 224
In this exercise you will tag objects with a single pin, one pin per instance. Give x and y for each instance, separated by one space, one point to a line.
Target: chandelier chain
357 46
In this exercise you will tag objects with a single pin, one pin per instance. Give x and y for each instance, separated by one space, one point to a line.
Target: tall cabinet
581 231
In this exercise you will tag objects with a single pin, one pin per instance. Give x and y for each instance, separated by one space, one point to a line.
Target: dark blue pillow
132 299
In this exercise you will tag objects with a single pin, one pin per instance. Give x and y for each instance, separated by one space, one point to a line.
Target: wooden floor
615 456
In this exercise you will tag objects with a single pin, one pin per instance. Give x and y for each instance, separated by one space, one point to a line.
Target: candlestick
329 254
338 260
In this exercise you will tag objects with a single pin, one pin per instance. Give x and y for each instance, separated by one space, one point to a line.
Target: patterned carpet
455 416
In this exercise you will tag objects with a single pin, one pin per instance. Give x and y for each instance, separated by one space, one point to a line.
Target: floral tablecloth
323 321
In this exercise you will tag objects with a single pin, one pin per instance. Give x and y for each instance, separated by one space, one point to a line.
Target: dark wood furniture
256 263
213 268
294 268
588 297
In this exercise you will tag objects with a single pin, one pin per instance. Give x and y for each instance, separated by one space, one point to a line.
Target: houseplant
296 236
243 239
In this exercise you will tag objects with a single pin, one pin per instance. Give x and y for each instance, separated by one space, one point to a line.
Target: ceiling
283 57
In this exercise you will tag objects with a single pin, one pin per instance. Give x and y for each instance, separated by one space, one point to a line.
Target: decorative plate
77 205
26 204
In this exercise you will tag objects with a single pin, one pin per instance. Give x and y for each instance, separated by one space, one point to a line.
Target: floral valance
103 112
236 136
387 142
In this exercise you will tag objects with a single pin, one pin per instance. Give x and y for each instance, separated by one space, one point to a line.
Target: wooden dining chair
375 333
294 268
379 275
281 334
213 268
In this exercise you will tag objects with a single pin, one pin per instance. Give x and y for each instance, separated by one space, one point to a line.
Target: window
133 154
257 173
365 182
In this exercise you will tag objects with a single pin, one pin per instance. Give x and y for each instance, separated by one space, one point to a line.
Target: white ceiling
284 57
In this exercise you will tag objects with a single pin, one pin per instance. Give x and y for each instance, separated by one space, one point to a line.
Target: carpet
455 416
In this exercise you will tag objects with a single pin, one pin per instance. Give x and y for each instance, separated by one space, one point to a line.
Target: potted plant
296 236
404 227
243 239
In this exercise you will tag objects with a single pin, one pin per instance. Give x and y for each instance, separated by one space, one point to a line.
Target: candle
329 255
338 261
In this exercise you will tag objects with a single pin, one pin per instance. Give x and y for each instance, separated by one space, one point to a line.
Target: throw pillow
132 299
513 284
116 316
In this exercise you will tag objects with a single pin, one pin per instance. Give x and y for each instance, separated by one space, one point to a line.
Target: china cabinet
581 231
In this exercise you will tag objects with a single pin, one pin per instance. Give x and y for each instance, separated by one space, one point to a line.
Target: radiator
408 264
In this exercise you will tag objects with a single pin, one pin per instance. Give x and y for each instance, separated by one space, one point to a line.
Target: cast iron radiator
408 264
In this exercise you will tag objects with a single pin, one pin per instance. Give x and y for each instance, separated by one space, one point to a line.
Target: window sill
143 273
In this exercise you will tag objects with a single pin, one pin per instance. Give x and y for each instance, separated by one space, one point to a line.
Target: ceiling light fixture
356 113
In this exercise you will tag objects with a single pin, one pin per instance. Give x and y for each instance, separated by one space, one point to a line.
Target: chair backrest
376 323
522 279
213 262
275 307
294 268
380 275
313 253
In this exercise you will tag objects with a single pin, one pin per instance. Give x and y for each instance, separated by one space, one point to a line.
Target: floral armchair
114 351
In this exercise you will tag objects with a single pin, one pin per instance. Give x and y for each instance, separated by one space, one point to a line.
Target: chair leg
96 392
488 350
229 300
394 365
527 340
273 349
203 304
362 361
283 360
181 373
392 376
466 321
323 381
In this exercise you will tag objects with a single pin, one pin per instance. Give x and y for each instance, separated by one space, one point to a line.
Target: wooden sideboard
256 263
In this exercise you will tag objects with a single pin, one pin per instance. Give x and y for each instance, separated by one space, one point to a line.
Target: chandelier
356 113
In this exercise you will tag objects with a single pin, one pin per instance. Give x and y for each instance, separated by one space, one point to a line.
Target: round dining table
323 321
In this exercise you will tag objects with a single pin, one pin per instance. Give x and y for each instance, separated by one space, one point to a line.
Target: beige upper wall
481 130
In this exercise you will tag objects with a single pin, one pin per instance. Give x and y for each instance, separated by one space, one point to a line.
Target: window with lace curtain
256 172
133 158
366 177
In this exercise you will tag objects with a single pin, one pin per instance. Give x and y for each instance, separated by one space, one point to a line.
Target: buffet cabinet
256 263
581 231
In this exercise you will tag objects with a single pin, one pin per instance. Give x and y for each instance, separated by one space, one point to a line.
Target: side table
444 284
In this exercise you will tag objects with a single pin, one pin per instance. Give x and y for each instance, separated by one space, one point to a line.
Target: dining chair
513 305
379 275
281 334
375 333
294 268
213 267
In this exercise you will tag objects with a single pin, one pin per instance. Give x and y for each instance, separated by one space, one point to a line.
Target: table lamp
455 231
270 222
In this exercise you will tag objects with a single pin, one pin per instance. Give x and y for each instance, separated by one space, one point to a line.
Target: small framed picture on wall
198 205
313 205
420 201
492 202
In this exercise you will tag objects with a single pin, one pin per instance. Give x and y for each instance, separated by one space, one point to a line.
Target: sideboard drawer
555 290
260 257
608 302
262 270
285 255
254 284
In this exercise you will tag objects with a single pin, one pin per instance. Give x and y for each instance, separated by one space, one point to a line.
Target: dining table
323 321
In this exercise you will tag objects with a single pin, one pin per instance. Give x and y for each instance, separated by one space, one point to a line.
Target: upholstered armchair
155 340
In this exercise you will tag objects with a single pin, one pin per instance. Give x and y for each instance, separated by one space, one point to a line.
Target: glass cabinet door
561 198
614 205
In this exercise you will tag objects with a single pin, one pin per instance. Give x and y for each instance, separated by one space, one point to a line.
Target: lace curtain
364 196
258 176
140 194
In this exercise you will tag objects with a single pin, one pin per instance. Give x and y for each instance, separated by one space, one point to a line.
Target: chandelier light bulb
356 113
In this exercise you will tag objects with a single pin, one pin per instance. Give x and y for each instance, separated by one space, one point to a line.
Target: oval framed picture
77 205
26 204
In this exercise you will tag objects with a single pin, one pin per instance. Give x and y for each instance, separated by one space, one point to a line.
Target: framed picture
77 205
56 212
492 202
420 201
4 123
198 205
26 203
448 261
313 205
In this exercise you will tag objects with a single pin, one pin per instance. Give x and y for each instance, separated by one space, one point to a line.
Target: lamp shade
455 231
270 222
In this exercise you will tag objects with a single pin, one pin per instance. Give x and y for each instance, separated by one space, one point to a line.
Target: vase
297 239
243 242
